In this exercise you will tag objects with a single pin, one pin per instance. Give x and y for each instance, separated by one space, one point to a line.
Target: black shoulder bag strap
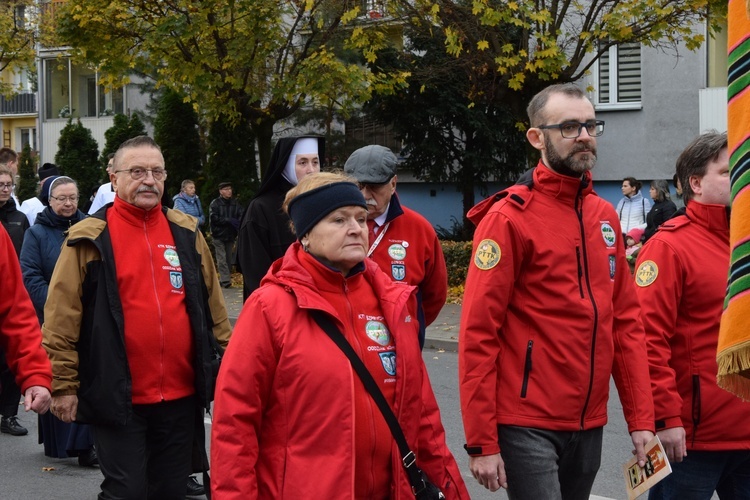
408 459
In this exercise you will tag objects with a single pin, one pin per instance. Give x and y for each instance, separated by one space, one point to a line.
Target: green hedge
457 258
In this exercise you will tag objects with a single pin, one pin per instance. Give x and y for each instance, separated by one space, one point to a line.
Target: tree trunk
263 130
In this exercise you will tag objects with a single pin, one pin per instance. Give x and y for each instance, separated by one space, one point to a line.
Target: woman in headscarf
39 254
292 419
264 233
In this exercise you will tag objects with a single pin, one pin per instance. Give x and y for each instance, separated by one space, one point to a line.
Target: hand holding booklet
640 479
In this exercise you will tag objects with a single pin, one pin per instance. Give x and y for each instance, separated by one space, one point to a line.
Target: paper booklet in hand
640 479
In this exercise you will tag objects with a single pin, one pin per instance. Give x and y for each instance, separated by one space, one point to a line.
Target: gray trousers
224 260
550 465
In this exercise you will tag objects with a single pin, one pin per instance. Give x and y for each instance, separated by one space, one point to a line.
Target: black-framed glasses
572 129
137 173
6 185
64 199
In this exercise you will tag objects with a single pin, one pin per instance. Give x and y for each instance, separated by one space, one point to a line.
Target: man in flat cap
224 214
402 242
33 206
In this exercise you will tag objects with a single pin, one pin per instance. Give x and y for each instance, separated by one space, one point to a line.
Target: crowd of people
324 366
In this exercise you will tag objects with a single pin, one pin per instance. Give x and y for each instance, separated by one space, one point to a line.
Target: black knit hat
309 208
47 170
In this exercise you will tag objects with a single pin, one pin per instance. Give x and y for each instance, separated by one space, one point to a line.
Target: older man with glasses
128 324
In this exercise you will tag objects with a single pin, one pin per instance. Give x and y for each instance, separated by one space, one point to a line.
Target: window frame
615 104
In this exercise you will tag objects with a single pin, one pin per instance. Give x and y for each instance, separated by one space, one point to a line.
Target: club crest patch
388 359
609 235
378 332
612 267
397 251
398 271
175 278
487 256
646 273
170 255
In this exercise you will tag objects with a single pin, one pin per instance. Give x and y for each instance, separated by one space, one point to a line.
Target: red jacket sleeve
434 287
247 371
660 301
20 335
630 365
486 299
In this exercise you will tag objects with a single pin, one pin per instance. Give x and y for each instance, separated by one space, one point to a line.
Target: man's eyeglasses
572 129
159 174
373 187
6 185
64 199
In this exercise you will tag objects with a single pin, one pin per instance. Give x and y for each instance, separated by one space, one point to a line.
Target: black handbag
421 486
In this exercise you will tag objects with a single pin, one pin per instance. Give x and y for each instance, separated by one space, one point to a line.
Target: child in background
632 246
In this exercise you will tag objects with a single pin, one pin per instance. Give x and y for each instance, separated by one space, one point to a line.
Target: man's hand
640 440
673 440
489 471
37 398
65 408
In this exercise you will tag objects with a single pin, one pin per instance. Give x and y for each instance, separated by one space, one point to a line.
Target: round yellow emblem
487 255
646 273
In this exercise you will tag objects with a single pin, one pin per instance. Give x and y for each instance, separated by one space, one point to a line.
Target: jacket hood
289 273
272 175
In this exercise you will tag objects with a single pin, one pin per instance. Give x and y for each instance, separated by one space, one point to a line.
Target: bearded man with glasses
549 315
131 305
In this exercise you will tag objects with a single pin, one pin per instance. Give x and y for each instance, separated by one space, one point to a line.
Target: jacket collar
134 215
713 217
559 186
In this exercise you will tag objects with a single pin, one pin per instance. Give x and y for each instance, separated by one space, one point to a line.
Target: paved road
25 473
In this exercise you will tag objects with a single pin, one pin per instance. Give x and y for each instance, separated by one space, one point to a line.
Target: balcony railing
20 104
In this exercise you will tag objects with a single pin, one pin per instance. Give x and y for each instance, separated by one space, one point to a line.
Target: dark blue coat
41 248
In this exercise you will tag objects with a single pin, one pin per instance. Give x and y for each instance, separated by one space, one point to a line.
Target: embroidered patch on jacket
378 332
388 359
646 273
487 256
397 251
612 267
176 279
398 271
170 255
609 235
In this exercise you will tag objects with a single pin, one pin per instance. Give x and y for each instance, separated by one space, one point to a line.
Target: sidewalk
442 334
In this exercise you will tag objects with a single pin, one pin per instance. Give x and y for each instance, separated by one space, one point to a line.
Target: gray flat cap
372 165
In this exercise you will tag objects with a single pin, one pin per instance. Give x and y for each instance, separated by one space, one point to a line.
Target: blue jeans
703 472
550 465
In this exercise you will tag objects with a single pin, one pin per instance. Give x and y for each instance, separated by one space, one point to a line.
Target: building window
618 75
28 137
72 90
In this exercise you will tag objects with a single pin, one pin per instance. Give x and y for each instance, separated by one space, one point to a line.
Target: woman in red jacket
291 417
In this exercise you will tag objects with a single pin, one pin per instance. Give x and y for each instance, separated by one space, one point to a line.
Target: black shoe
88 458
226 285
10 425
194 488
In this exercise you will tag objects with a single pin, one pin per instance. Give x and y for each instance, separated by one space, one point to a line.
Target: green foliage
449 135
28 182
523 45
17 41
77 155
122 129
457 258
231 157
244 62
176 132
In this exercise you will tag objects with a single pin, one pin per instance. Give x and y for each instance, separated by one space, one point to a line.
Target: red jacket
682 278
549 314
20 335
284 410
410 252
